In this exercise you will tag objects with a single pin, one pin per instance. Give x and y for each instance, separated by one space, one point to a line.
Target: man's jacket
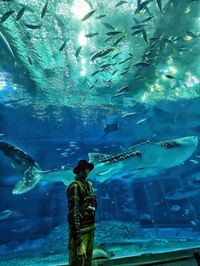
81 208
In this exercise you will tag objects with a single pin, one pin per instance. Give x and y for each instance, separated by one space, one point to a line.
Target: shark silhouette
139 161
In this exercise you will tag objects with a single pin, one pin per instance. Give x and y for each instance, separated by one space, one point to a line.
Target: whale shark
142 160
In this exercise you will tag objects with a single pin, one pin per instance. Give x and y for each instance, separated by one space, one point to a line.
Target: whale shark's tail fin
25 166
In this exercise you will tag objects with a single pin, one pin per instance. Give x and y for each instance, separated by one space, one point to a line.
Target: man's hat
82 165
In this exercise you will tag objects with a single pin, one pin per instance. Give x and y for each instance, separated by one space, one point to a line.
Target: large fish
183 193
142 160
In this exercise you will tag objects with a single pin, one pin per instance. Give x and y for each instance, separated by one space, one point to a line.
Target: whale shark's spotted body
142 160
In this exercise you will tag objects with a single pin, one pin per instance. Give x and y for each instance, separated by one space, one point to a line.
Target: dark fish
121 3
90 35
30 61
136 32
20 13
91 87
118 41
191 34
169 77
78 51
159 3
148 19
143 5
144 33
62 46
138 26
96 81
33 27
102 53
138 77
142 64
124 72
44 10
95 72
182 49
108 26
110 128
128 58
6 15
114 56
138 3
106 65
114 72
108 39
123 89
111 33
88 15
101 16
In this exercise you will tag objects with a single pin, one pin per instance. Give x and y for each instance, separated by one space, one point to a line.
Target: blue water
134 205
54 107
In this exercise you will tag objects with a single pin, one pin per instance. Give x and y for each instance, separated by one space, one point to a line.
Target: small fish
142 6
182 49
136 32
114 56
118 41
138 77
128 58
108 26
129 114
139 26
101 16
7 45
6 15
90 35
62 46
144 33
20 13
111 33
44 10
123 89
121 3
108 39
91 87
191 34
148 19
96 81
194 161
33 27
124 72
88 15
114 72
142 121
78 51
95 72
102 53
119 94
30 61
141 64
169 77
106 65
159 3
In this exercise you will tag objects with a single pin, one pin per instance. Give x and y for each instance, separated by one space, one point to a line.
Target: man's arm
73 212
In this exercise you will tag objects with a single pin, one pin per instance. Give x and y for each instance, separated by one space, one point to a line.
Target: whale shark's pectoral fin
24 165
96 157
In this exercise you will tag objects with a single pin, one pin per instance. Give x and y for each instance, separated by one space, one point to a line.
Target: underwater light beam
80 8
